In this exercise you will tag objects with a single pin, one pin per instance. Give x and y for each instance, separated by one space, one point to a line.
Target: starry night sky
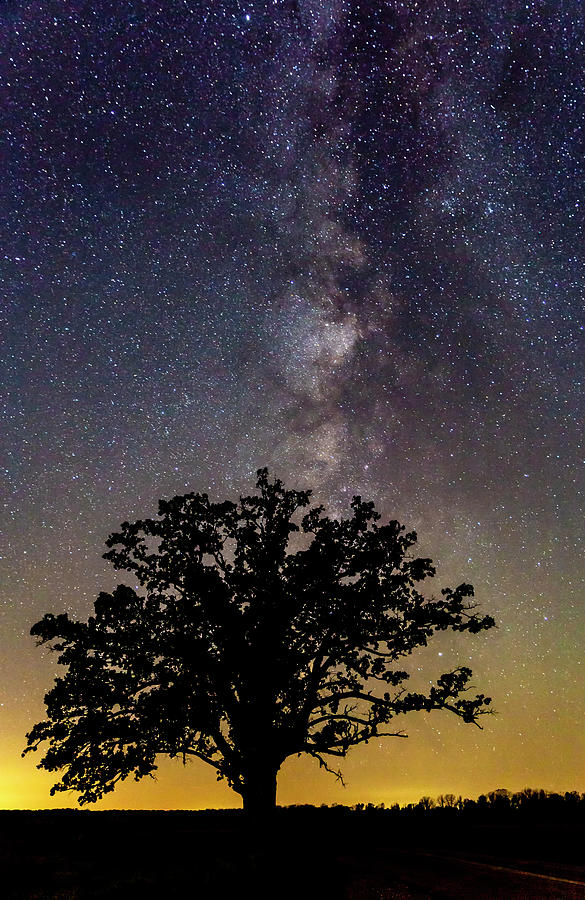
342 239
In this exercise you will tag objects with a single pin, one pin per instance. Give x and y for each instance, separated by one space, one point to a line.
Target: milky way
341 239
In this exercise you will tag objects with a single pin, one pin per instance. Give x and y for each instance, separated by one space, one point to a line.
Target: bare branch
323 764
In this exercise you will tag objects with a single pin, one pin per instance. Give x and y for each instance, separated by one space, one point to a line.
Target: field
306 853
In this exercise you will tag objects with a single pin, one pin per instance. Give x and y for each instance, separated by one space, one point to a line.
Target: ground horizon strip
496 868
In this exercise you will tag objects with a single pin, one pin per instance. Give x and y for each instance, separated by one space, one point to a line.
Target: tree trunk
259 793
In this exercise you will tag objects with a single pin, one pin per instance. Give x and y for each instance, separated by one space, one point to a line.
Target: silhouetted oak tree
242 649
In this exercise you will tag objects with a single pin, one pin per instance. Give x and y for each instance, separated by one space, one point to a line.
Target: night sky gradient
341 239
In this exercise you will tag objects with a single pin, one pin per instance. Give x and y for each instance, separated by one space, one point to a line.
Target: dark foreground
321 853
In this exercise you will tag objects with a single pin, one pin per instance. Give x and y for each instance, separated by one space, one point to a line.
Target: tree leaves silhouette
240 650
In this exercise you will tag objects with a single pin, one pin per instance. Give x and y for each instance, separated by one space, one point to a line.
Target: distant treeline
531 803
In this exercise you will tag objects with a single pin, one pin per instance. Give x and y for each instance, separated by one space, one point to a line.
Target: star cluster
340 238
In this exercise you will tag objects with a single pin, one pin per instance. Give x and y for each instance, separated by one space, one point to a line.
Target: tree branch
324 765
344 716
348 695
358 738
206 759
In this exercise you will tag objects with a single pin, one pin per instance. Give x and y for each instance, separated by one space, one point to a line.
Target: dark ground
306 853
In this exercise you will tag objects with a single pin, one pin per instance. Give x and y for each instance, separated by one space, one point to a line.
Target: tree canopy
244 643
